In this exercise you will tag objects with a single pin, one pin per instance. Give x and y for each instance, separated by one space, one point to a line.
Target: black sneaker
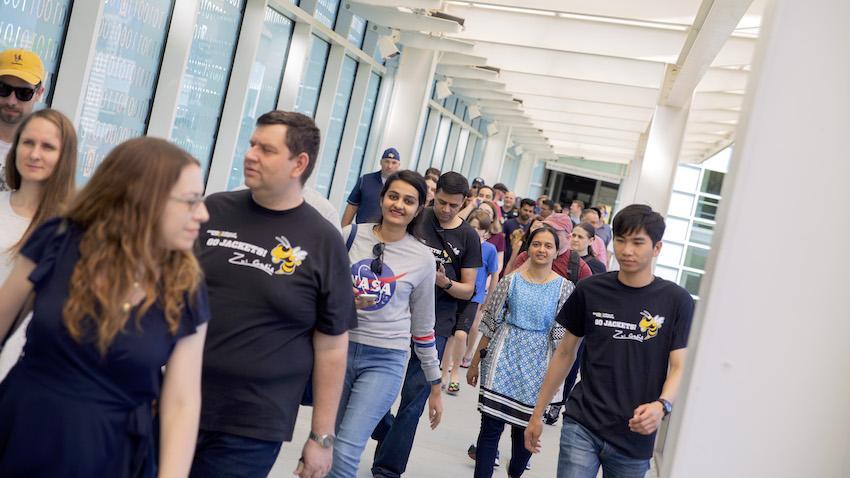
550 416
471 452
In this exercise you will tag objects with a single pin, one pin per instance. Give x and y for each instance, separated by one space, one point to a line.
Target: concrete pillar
628 188
523 175
766 388
655 182
494 155
405 118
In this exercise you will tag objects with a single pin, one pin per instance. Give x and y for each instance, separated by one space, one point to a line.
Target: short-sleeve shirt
491 265
628 336
366 195
498 240
465 247
274 277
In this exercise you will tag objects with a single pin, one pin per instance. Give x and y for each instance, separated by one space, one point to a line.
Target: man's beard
11 117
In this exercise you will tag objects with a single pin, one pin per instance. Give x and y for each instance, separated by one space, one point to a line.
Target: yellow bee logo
287 256
650 324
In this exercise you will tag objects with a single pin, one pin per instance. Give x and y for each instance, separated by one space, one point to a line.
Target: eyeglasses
377 265
21 92
193 202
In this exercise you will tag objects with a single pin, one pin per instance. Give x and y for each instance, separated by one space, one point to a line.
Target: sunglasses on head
377 265
21 92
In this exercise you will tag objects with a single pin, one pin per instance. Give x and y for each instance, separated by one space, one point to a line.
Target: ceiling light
443 90
473 111
492 129
387 46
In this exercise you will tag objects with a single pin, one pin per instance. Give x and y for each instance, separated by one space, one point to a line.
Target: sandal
466 362
454 388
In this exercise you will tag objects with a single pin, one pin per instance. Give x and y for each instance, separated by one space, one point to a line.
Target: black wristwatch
667 406
448 286
325 441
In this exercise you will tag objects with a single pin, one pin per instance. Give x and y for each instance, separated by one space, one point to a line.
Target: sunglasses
21 92
377 265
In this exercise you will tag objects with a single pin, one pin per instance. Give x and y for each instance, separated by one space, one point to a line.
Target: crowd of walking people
150 330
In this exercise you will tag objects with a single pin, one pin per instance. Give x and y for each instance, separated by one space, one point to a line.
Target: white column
494 155
523 174
628 188
77 56
409 99
766 386
658 167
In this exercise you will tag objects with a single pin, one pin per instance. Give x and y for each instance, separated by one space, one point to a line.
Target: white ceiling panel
589 120
522 83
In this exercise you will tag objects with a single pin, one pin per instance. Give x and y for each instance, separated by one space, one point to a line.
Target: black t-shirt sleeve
472 250
684 317
335 312
571 316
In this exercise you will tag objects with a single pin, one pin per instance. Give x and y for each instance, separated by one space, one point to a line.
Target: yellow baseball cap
22 64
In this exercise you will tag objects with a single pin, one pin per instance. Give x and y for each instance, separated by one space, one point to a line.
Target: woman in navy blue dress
118 295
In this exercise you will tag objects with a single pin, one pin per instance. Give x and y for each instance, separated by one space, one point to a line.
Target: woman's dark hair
544 229
453 183
635 218
591 233
418 182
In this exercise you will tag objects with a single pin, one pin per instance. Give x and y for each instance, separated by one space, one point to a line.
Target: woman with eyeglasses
393 275
39 170
519 336
118 295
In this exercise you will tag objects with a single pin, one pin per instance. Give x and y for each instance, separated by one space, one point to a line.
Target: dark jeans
223 455
395 434
488 445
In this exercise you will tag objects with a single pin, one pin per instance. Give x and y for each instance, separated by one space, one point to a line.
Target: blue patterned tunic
520 322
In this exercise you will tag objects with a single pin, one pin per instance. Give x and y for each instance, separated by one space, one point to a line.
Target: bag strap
446 246
574 267
351 235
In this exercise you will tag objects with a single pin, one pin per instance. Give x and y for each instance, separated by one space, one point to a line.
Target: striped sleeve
422 324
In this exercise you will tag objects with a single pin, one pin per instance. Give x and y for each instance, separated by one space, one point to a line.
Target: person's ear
301 163
656 249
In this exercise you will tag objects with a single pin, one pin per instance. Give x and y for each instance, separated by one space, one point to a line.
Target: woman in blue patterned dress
520 334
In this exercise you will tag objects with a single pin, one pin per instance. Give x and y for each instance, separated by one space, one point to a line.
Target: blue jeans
488 445
373 378
582 453
395 434
224 455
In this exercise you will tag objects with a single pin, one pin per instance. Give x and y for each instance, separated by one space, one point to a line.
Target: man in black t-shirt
635 329
522 221
281 303
457 252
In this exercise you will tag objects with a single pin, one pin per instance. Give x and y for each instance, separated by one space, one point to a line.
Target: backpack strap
574 267
351 235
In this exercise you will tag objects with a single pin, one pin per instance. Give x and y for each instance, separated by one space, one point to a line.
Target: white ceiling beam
714 115
394 18
587 107
461 59
592 156
424 4
589 120
521 83
628 152
482 94
477 84
713 100
589 131
470 72
714 24
430 42
556 136
680 12
721 79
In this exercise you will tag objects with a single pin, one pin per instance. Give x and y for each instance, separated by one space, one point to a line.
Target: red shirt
561 266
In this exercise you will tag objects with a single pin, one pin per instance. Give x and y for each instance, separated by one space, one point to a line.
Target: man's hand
435 406
472 374
315 461
532 434
441 280
647 418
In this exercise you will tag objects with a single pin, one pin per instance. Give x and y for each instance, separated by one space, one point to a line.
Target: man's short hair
579 202
591 210
486 187
636 217
302 135
527 202
453 183
432 171
501 187
548 202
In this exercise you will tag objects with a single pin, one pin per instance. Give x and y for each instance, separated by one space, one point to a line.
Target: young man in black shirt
635 328
457 251
281 302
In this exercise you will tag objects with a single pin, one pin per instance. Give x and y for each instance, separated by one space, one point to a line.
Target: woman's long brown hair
119 211
59 187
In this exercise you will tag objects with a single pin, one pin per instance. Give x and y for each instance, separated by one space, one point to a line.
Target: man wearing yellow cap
21 87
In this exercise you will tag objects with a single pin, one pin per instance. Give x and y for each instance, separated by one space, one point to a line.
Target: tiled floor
442 452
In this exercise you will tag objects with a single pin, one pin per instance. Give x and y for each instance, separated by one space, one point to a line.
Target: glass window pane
696 257
326 12
677 229
666 273
686 179
363 133
264 85
681 204
206 76
701 233
122 79
358 31
440 144
327 162
707 208
691 281
712 182
311 84
461 149
671 254
40 28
